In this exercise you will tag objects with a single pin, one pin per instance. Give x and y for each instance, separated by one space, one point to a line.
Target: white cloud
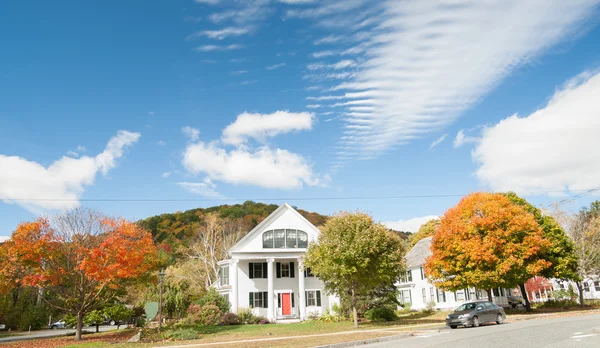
330 39
462 139
209 2
313 106
326 97
413 66
248 82
206 188
438 141
410 225
265 167
261 126
4 238
166 174
80 149
275 66
243 13
219 34
343 64
72 153
61 184
210 48
192 134
161 143
297 2
553 149
238 72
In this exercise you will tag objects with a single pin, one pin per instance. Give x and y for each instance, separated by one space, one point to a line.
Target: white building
590 287
265 271
416 290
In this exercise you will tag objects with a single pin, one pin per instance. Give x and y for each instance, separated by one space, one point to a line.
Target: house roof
274 215
417 255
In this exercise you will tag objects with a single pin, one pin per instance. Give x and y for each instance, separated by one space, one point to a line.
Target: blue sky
204 102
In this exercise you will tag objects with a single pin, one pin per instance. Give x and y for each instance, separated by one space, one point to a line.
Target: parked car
474 314
58 325
515 301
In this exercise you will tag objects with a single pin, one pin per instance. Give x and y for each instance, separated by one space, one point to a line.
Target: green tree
560 253
95 317
118 313
354 256
584 230
426 230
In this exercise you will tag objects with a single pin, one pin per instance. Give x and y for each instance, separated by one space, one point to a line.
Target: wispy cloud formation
410 225
206 188
330 39
209 48
414 76
275 66
438 141
238 72
219 34
462 138
60 185
192 134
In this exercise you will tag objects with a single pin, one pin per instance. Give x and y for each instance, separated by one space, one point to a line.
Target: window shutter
265 271
318 298
306 298
279 300
292 296
292 272
265 300
251 271
278 269
251 300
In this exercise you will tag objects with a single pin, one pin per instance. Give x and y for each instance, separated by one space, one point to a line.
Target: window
405 297
257 270
431 295
496 292
259 300
460 295
467 295
227 298
424 293
586 286
313 298
441 295
308 273
597 285
285 270
422 273
406 277
224 275
279 300
285 238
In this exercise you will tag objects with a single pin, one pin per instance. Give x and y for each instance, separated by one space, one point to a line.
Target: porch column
301 291
270 291
233 270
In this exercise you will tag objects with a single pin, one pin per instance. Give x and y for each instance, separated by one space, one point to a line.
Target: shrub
381 313
209 315
213 297
245 316
567 303
183 334
314 315
263 320
230 319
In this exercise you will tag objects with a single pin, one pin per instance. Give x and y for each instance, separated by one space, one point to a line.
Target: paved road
577 331
54 333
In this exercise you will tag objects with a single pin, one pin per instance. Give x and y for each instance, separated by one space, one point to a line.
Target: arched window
285 238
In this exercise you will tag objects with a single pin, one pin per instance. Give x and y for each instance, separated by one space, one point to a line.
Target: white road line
582 336
577 333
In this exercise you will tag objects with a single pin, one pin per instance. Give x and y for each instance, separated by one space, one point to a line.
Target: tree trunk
525 297
354 309
489 292
580 289
79 328
97 327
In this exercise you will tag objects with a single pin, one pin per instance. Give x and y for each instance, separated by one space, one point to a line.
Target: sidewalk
392 331
519 317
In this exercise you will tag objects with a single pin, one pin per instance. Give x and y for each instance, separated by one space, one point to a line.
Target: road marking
577 333
582 336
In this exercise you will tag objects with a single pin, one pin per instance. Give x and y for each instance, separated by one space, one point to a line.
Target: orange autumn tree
486 241
80 258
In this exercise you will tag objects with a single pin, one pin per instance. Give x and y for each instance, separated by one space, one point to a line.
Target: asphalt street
564 332
54 333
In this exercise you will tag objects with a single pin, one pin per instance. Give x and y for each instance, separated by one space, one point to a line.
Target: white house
265 270
590 287
416 290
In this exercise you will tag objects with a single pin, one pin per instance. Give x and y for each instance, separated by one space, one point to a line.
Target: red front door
286 304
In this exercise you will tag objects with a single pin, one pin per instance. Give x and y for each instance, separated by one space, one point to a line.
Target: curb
366 341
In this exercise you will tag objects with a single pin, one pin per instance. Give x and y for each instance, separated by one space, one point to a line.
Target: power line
563 201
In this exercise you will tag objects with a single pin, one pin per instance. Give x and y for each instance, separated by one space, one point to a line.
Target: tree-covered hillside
174 229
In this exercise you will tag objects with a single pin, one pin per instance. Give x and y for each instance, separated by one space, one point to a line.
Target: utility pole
161 279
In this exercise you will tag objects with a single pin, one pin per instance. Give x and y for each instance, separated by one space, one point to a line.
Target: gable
416 256
283 218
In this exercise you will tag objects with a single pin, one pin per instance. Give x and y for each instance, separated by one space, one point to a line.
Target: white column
301 292
233 270
270 291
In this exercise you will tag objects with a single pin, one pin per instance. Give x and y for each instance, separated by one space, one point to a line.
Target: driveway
563 332
55 333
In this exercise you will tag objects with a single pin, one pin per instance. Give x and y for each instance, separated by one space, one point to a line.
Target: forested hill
177 228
